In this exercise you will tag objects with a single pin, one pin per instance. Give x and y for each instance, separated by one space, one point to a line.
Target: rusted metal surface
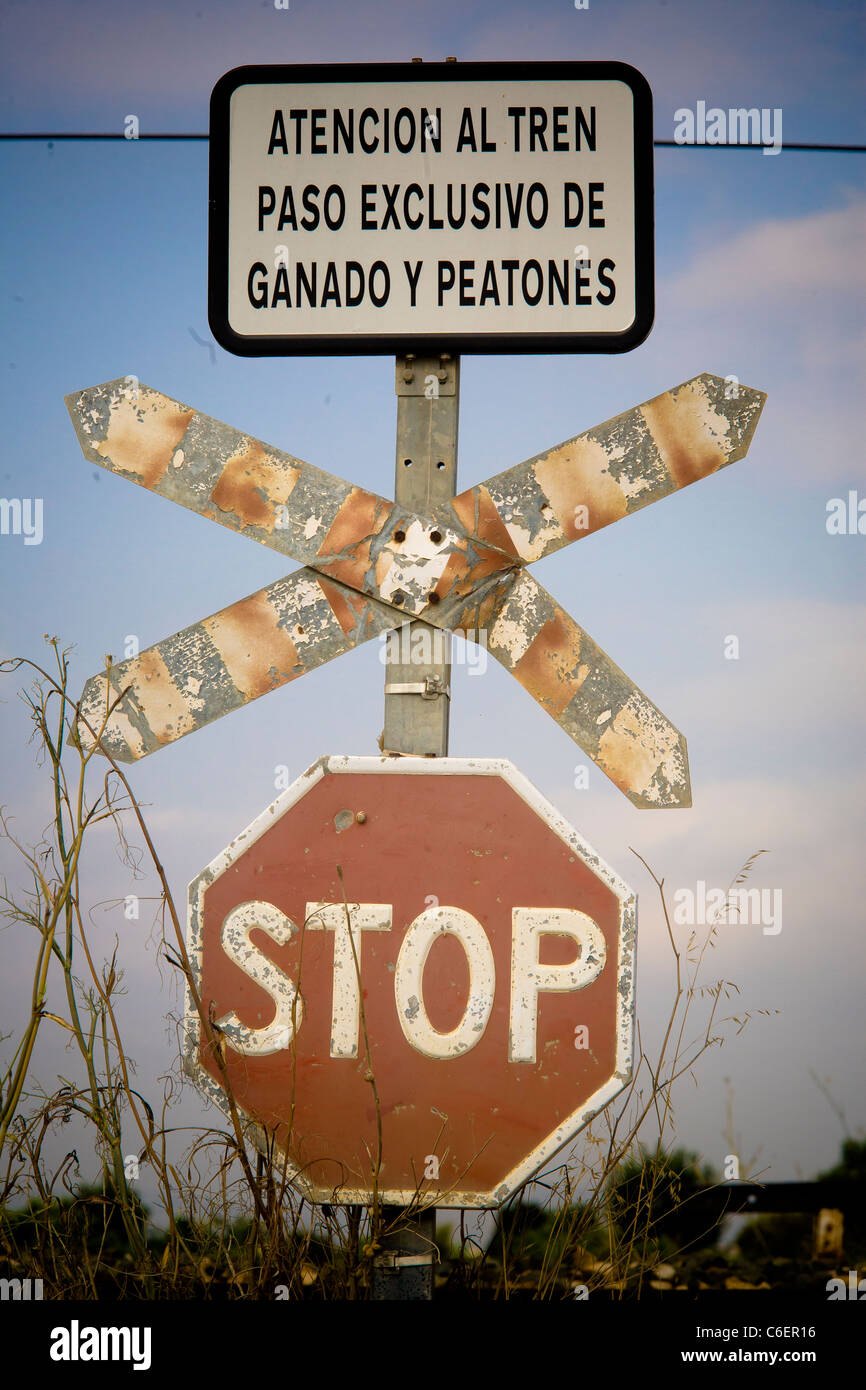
486 934
219 472
345 532
460 563
616 468
225 661
590 697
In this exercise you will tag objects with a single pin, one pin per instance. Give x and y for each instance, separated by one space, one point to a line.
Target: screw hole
433 598
435 537
407 463
399 536
440 464
398 598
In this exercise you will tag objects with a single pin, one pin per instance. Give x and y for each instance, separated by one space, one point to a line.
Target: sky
759 273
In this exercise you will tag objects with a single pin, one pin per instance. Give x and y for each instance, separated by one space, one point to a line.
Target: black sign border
356 345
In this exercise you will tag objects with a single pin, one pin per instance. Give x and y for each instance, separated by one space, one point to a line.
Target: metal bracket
421 377
430 689
390 1261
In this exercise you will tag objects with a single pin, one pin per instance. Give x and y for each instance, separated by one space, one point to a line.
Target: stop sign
421 977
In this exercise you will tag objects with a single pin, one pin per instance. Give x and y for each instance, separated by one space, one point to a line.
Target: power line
93 135
833 149
51 136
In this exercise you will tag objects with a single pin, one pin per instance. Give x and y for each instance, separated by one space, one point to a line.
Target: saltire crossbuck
369 565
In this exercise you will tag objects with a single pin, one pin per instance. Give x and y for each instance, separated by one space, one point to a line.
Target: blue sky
759 271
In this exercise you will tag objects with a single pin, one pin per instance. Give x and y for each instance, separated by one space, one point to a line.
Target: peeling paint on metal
469 577
590 697
227 660
615 468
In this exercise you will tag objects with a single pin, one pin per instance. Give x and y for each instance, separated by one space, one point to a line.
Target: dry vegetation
614 1217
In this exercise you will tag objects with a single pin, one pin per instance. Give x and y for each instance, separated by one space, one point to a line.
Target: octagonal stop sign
422 980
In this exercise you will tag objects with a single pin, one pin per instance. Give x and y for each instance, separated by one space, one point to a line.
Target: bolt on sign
464 978
478 207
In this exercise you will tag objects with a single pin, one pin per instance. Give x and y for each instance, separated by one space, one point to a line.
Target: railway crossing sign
370 564
414 978
429 1026
479 207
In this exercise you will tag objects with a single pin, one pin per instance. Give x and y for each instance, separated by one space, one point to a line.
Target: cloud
799 672
778 261
778 305
774 759
731 55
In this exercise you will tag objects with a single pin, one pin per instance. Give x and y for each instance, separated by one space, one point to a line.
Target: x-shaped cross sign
369 564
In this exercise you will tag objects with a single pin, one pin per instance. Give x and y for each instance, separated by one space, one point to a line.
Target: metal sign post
417 698
418 665
483 208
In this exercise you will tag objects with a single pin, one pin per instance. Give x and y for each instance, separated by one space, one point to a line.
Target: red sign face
422 947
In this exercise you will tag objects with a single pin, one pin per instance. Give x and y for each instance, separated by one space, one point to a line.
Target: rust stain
257 653
449 579
688 433
361 517
144 447
576 475
453 577
165 707
460 577
487 525
347 608
384 561
478 615
253 484
349 569
357 523
629 752
549 668
488 562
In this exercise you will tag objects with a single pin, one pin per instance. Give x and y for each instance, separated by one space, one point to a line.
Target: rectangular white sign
476 207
